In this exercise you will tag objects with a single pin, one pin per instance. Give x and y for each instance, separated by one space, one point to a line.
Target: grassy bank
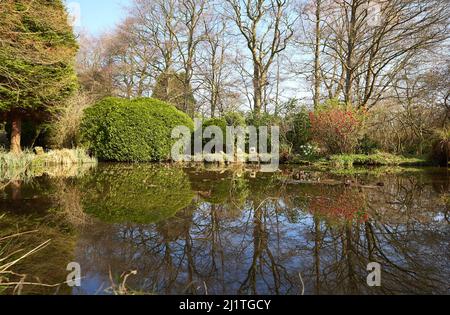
342 161
28 164
378 159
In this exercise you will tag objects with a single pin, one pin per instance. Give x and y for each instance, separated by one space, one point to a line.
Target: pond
205 230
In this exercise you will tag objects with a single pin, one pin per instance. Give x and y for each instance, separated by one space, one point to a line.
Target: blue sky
100 15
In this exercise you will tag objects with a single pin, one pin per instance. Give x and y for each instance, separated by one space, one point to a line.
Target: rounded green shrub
234 118
218 122
140 130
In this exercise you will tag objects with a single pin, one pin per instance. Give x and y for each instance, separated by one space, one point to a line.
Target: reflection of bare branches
69 200
261 250
277 245
122 288
303 283
6 265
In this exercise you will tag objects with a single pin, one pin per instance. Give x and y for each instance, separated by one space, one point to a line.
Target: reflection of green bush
219 189
136 193
220 192
265 185
233 190
215 192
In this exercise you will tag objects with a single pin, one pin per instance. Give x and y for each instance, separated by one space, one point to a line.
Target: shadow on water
236 231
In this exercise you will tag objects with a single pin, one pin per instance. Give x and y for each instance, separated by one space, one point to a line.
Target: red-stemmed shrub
339 206
337 127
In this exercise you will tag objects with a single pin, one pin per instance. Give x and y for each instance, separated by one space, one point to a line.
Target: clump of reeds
64 157
66 124
25 248
14 161
27 164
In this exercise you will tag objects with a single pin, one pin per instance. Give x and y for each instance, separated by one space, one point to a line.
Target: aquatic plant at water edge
58 162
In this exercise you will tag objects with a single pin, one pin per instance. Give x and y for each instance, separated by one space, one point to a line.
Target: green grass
342 161
377 159
27 164
373 171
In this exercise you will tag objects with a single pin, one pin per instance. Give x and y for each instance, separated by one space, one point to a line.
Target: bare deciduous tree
187 40
371 46
267 26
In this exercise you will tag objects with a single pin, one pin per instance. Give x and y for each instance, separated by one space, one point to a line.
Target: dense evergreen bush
269 121
367 145
131 131
299 131
37 57
216 122
263 119
234 119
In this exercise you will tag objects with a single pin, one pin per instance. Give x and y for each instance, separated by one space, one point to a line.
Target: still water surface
235 231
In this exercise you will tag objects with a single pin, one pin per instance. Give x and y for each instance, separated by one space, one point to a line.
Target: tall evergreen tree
37 55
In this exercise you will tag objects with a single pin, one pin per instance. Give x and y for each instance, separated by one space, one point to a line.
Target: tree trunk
350 52
16 131
317 75
213 101
257 99
257 90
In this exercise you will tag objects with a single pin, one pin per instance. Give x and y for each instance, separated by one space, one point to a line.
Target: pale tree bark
16 131
158 28
351 41
213 73
317 47
267 27
187 40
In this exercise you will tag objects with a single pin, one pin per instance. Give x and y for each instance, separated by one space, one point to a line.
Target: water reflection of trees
240 234
405 233
279 239
45 210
